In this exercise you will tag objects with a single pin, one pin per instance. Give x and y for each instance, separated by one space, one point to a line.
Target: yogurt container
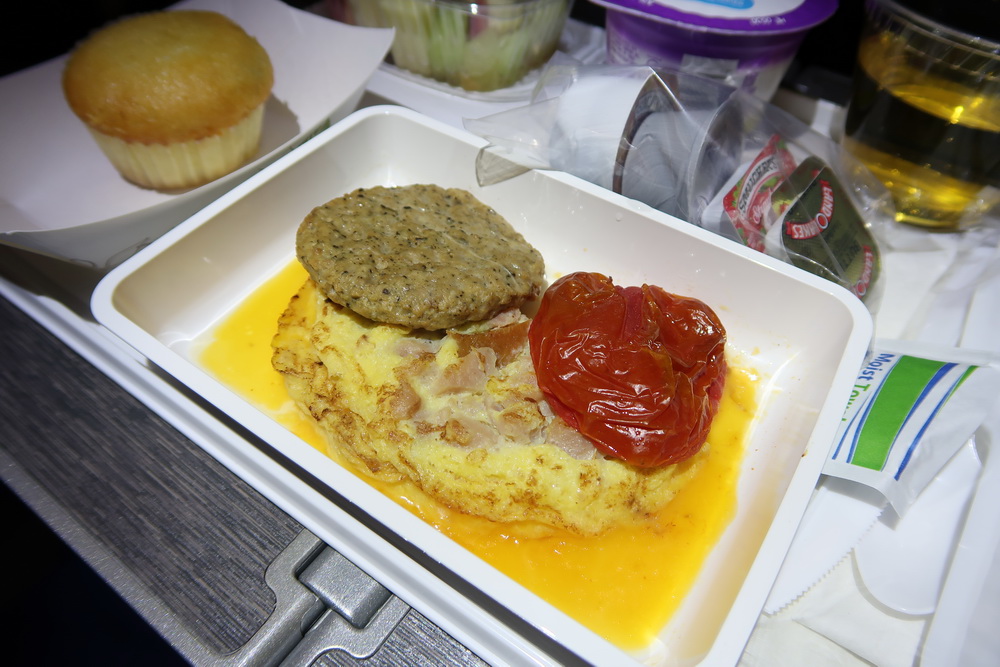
744 43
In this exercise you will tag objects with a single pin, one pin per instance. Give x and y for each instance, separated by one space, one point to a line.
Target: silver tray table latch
323 603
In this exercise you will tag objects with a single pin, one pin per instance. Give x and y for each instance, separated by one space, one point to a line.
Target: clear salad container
478 46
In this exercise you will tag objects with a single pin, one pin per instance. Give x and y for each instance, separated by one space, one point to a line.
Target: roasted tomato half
637 370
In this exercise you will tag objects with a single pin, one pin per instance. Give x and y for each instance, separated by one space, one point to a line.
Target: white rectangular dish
805 336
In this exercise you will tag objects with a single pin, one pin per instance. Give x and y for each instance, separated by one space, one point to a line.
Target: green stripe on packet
904 384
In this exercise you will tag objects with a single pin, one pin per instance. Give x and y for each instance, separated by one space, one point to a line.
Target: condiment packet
747 201
795 207
818 229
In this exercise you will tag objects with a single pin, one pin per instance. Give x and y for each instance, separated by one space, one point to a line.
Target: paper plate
61 197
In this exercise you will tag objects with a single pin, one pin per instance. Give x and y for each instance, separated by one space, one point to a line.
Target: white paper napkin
835 624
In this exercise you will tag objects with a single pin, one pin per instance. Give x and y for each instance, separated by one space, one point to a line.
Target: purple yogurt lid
754 16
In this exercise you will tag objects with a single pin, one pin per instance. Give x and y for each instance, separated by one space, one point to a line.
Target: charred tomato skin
637 370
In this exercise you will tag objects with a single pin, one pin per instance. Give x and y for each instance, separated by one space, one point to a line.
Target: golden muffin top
166 77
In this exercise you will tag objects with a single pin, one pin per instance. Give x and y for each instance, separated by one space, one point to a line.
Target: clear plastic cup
925 110
476 46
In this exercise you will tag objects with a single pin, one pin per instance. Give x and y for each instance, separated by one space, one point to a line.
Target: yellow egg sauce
624 584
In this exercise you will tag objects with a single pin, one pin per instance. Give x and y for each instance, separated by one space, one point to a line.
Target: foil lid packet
818 229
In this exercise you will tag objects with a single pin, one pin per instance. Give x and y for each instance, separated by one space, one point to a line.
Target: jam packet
748 201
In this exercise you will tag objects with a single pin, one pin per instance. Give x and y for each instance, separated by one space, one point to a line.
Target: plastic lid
978 18
757 16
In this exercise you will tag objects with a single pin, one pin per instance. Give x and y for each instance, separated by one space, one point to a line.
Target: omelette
408 346
458 413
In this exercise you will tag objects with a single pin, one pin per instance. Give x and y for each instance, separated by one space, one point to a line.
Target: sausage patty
420 256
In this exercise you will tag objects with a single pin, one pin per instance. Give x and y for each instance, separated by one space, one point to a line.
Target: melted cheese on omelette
624 583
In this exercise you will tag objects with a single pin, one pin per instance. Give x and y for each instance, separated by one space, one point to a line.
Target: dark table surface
178 536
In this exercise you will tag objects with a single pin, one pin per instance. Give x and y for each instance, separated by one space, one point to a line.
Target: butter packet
912 407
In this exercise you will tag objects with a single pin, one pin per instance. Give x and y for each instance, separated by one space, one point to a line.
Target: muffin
175 99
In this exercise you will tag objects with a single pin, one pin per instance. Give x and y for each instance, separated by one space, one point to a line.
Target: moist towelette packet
913 406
